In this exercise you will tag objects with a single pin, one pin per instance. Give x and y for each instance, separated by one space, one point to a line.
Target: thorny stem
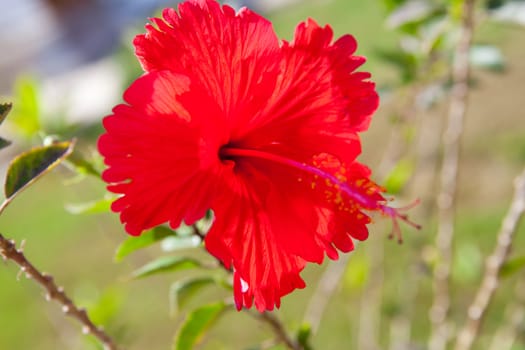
493 264
449 174
9 252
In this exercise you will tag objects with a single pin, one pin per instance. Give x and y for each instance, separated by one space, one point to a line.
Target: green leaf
494 4
5 108
83 165
93 207
166 264
399 176
182 291
29 166
26 112
512 266
357 273
4 143
303 336
410 12
406 63
102 305
174 243
132 244
197 323
456 9
391 5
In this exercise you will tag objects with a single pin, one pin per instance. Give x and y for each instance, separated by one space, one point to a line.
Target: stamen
395 214
227 152
362 200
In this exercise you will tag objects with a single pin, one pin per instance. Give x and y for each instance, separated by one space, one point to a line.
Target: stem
9 252
493 264
278 329
510 329
449 173
197 231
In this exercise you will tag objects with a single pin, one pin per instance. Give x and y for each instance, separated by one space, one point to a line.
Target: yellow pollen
338 198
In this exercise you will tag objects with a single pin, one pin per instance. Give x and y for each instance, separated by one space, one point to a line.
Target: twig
9 252
514 315
449 174
198 232
278 329
489 284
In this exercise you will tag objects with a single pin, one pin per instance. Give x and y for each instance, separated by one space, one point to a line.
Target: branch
449 174
493 264
510 329
9 252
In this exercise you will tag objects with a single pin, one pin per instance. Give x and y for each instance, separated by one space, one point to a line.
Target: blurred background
65 63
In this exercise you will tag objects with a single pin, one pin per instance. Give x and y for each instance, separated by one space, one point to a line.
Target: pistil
363 201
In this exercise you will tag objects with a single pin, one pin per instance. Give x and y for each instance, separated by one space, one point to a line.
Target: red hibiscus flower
263 132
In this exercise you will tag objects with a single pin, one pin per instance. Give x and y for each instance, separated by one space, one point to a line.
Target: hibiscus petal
247 240
319 102
272 218
159 154
234 56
